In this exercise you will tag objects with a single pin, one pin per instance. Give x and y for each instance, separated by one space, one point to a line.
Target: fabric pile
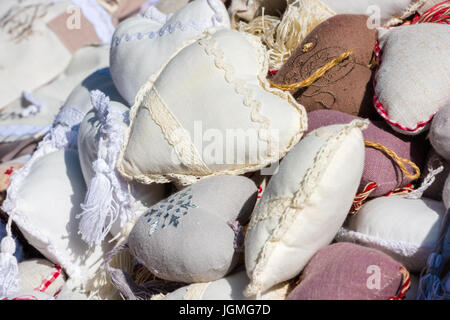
225 150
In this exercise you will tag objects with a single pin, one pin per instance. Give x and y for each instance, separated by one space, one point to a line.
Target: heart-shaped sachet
347 85
195 234
345 271
184 125
141 45
304 204
405 229
412 82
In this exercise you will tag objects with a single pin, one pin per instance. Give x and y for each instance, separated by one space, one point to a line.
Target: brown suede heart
347 86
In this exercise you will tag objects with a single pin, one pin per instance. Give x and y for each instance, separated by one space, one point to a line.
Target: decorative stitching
170 28
288 211
155 15
169 211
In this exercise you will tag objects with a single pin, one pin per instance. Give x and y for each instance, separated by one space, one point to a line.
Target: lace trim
185 179
297 202
272 208
175 134
59 137
402 248
69 116
211 48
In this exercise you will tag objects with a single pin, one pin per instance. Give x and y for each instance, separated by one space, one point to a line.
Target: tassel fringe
9 270
107 198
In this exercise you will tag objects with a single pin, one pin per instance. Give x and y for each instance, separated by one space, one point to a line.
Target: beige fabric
413 80
33 272
31 53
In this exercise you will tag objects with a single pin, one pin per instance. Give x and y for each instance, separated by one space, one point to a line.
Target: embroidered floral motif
170 210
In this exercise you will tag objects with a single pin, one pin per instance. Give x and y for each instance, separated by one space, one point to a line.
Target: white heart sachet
210 91
43 200
142 44
45 194
412 81
304 204
405 229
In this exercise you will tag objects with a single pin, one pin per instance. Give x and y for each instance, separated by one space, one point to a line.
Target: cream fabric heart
304 204
213 89
142 44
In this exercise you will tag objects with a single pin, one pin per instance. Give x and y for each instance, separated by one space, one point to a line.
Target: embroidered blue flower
169 211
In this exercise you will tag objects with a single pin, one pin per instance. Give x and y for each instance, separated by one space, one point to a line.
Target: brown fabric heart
346 87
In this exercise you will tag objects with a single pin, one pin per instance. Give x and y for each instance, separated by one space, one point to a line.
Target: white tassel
107 197
99 212
9 271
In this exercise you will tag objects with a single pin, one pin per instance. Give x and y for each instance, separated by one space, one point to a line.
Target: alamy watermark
374 280
229 147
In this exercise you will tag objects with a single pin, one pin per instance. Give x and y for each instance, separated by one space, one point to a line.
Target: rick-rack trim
287 211
62 135
187 179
